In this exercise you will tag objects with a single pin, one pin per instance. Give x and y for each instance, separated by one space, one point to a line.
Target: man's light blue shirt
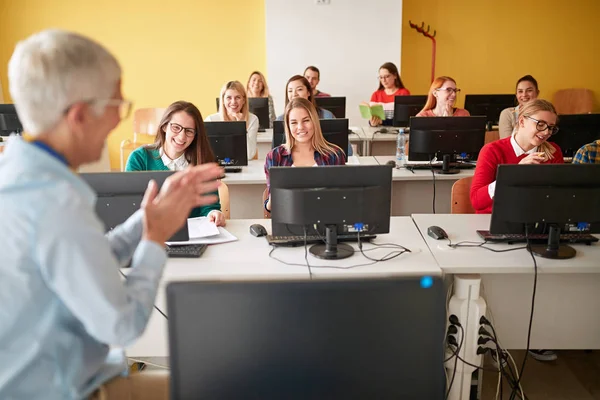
63 302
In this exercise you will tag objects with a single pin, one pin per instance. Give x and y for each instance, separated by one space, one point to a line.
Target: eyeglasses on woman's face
176 129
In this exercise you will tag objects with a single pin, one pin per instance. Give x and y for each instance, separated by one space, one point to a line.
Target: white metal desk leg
466 304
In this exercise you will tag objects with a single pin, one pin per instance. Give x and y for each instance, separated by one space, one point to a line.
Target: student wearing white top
257 87
180 141
233 106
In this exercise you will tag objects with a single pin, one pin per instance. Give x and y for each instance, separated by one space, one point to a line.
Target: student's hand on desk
269 204
166 212
375 121
533 158
217 217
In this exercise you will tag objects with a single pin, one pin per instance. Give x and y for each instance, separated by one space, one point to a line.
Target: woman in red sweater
390 86
528 145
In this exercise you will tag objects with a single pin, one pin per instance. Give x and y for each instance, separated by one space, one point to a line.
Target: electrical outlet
322 2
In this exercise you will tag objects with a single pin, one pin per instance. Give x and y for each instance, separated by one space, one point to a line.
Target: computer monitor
576 130
120 195
490 105
259 106
328 201
9 120
449 138
319 339
337 105
334 131
547 199
228 142
406 107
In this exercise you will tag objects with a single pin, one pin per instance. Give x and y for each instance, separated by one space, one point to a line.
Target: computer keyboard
438 165
313 239
186 250
537 238
232 169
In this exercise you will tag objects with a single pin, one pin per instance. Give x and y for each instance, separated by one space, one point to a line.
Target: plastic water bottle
400 155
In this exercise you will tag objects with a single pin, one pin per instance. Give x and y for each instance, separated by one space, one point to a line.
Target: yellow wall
169 50
486 45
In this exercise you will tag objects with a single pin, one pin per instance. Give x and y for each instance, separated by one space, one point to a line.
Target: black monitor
328 201
337 105
450 138
406 107
575 130
490 105
334 131
228 142
547 199
323 339
120 195
259 106
9 120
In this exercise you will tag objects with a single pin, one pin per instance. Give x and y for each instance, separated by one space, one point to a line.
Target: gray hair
54 69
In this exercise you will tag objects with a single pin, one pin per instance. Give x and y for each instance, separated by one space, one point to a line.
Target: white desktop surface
403 174
248 259
566 301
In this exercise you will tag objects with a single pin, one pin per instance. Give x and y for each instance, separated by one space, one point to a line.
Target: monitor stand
331 249
446 167
553 249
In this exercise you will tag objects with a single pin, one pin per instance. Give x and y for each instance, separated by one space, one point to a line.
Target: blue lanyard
51 151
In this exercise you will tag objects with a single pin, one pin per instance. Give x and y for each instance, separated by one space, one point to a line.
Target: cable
467 243
433 174
512 395
157 309
306 254
462 338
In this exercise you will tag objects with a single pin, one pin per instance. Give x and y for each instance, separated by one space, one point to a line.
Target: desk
412 192
566 303
248 259
380 144
246 188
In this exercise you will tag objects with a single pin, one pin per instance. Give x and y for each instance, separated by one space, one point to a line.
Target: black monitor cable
433 174
468 243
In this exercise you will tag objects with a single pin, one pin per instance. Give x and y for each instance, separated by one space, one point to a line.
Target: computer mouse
258 230
437 233
392 163
383 130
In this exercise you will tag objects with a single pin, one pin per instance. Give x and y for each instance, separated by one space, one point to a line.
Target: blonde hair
265 91
530 108
318 141
237 86
436 84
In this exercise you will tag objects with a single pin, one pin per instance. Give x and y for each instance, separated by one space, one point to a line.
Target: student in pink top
441 99
390 86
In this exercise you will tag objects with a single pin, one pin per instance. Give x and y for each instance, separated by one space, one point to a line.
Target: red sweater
490 156
379 96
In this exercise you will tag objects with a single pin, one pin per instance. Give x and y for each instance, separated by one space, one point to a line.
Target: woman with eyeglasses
441 99
390 86
180 141
528 144
233 106
527 90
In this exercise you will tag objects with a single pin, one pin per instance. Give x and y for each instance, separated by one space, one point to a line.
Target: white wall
346 39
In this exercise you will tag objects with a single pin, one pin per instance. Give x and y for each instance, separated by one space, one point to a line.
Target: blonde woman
257 87
527 145
304 144
441 99
233 106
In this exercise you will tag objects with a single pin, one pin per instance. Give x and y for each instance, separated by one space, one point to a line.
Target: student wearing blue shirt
66 310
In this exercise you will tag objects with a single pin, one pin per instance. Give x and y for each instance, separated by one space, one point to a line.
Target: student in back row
298 86
390 86
527 90
441 99
257 87
233 106
180 141
304 145
313 76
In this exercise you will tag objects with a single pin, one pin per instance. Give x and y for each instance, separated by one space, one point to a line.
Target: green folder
372 111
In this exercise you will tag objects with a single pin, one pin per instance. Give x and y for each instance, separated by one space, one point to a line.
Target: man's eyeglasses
448 90
176 129
541 126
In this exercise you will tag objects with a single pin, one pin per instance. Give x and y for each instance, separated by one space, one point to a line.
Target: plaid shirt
281 157
588 154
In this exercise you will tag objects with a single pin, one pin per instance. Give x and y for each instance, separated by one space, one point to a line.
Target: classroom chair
573 101
145 124
491 136
460 201
224 200
266 214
